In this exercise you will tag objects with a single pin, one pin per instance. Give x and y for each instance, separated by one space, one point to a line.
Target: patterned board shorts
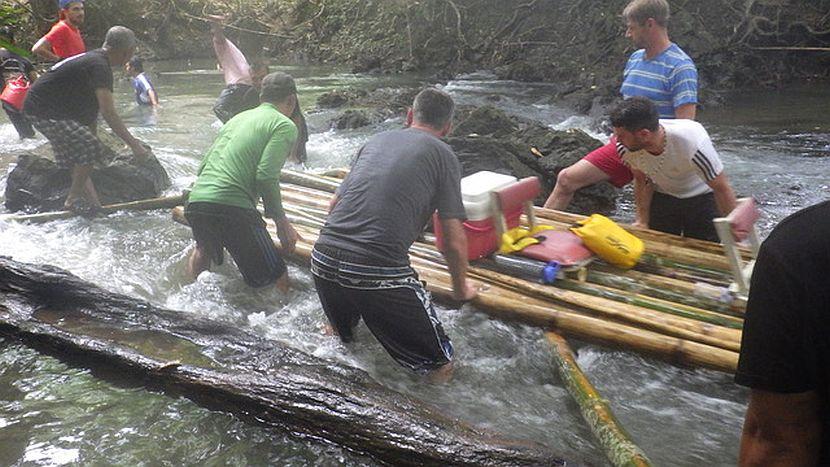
74 143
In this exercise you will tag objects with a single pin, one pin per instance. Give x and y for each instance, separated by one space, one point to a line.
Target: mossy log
230 369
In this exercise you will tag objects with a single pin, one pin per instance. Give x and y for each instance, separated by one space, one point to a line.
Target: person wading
360 262
659 70
12 67
679 182
64 39
242 167
63 104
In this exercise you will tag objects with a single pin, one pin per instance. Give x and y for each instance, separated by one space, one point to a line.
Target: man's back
786 339
67 90
250 149
397 181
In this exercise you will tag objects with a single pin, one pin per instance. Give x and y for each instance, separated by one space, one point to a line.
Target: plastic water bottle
713 292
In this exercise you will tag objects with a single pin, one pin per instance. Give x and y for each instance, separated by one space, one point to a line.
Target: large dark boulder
37 184
489 139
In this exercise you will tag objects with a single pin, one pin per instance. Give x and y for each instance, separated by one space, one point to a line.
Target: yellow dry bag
609 241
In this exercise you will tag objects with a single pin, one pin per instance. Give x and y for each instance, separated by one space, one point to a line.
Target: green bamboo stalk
615 441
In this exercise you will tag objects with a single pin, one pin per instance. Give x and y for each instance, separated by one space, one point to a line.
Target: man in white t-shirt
679 182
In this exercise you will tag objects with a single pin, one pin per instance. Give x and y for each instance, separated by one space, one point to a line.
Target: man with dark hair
659 70
785 348
242 167
242 83
679 182
63 104
64 39
13 66
360 261
145 92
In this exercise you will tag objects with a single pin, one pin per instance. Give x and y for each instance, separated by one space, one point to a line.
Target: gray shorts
73 143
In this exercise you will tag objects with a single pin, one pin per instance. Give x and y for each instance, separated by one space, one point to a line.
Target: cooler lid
476 188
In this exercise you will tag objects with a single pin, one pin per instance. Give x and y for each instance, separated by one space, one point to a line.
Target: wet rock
485 120
37 184
351 119
339 97
511 146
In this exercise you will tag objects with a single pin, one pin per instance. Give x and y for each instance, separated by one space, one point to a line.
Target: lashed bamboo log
503 303
140 205
615 441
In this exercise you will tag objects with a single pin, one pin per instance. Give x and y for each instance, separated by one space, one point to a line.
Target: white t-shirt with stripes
687 163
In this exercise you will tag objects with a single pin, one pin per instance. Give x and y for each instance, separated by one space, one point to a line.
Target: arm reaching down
643 194
724 196
43 49
455 252
107 107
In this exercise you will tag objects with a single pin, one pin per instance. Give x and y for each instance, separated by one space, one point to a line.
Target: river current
775 146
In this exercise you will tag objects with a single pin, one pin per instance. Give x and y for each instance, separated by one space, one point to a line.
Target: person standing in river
658 70
13 66
242 167
679 182
64 103
64 39
785 348
242 84
360 262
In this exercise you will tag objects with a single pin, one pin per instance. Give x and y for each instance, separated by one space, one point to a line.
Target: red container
481 235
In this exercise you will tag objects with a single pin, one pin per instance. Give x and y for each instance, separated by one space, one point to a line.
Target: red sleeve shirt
65 40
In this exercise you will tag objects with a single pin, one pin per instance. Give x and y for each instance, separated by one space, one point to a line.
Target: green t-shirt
245 161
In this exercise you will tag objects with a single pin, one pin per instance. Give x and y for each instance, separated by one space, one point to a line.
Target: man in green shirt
241 167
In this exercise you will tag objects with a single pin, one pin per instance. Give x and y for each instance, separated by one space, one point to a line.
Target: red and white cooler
479 226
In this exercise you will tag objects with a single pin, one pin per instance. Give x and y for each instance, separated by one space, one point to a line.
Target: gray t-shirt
398 179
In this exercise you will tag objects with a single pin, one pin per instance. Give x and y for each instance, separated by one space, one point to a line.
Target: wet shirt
669 79
245 161
142 87
398 179
786 335
12 66
66 41
686 165
67 90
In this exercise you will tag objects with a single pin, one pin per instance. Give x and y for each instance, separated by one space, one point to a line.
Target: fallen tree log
230 369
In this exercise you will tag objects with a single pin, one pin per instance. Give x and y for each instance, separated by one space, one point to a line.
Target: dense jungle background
577 44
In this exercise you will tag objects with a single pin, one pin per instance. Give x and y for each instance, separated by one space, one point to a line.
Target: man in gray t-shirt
360 262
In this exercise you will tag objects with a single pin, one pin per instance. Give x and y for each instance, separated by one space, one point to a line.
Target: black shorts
690 217
234 99
392 302
242 232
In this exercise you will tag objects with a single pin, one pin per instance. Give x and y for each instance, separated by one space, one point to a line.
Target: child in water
145 93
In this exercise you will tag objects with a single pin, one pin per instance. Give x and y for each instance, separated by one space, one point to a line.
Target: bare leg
92 194
571 179
283 284
80 176
441 375
197 263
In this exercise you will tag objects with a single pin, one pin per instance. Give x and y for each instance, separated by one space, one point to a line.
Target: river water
775 145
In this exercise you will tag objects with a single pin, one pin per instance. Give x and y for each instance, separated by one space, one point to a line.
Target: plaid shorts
73 143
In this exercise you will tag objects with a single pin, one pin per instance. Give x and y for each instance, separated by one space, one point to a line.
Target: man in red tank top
64 39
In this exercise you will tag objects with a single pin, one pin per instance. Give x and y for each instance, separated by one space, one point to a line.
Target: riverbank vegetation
577 44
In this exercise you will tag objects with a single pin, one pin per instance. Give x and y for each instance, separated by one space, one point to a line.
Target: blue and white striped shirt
142 86
669 79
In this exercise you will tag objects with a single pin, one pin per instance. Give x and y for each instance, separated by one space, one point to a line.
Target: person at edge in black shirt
12 66
785 353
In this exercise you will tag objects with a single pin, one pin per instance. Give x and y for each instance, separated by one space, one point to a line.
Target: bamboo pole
140 205
505 304
615 441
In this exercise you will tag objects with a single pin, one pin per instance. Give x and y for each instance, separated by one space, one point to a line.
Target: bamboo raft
654 309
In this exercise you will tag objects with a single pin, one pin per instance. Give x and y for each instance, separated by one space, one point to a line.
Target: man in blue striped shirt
658 70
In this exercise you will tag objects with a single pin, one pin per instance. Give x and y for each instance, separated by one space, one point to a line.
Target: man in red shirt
64 39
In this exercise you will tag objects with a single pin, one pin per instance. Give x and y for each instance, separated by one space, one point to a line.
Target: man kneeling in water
242 166
360 261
